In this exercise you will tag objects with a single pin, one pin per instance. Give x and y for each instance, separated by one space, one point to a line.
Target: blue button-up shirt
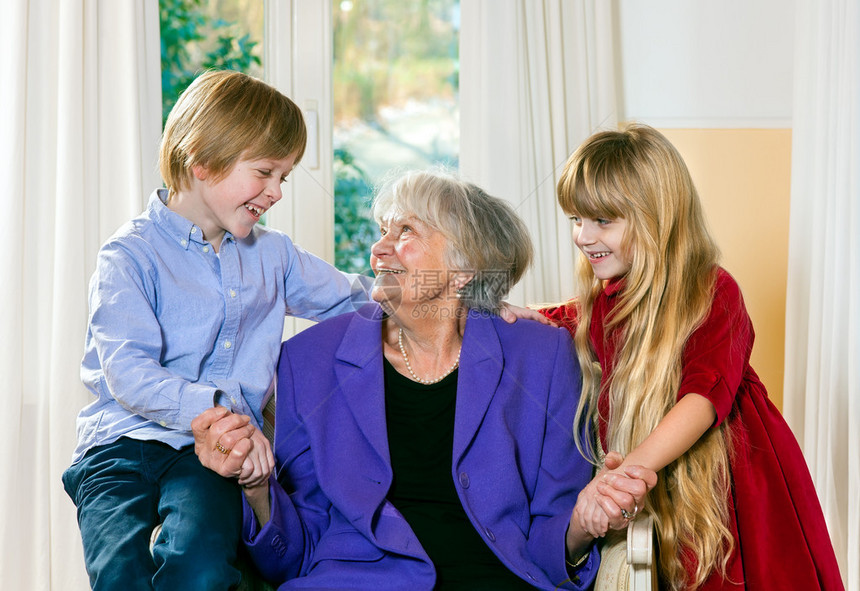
175 326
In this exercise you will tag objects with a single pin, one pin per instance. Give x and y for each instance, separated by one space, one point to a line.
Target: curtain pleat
822 377
536 78
80 113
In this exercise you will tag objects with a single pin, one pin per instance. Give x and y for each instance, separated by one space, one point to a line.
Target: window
394 81
395 94
197 35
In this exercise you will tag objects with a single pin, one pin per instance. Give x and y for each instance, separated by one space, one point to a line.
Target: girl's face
601 242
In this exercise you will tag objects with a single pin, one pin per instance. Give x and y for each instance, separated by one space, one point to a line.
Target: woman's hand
602 504
222 441
259 463
234 448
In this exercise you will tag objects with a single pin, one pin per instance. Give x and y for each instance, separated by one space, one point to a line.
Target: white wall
706 63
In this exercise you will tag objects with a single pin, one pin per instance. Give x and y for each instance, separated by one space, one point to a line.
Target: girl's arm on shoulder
510 313
564 315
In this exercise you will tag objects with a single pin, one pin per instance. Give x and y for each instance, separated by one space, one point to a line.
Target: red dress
781 539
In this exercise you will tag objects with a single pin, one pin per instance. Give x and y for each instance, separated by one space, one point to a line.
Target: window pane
197 35
395 94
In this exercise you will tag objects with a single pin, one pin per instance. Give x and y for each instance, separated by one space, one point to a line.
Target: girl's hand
259 462
510 313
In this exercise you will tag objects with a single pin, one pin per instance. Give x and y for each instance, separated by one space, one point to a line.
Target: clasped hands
232 446
613 497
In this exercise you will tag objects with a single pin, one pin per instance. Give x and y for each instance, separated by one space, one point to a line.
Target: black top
420 422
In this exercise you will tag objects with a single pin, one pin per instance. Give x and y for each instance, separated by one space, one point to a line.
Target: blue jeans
124 489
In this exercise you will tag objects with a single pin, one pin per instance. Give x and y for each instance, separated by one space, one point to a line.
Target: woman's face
408 261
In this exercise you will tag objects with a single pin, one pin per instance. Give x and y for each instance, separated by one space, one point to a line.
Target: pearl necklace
409 367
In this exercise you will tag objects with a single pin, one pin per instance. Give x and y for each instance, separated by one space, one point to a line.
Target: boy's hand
222 440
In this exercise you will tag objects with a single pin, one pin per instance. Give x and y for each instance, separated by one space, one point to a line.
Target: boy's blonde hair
636 174
222 116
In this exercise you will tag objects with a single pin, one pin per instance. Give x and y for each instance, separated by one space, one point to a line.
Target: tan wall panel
743 177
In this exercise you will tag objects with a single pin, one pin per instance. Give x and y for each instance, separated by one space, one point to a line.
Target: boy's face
235 202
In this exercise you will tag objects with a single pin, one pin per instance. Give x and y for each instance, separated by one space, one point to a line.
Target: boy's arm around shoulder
316 290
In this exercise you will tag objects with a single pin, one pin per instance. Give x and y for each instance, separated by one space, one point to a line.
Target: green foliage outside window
355 230
192 41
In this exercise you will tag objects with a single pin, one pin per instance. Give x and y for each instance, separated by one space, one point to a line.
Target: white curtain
822 378
80 119
536 78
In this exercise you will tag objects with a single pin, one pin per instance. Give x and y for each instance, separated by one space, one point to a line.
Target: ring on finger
221 448
630 515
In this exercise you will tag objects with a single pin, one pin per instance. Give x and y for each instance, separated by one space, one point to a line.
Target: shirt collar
182 230
614 286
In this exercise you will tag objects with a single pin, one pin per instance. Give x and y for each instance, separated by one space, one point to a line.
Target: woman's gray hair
485 235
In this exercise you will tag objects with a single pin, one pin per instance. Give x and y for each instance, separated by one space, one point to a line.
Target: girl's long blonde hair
636 174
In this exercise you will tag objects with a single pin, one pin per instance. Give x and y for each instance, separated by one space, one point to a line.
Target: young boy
187 305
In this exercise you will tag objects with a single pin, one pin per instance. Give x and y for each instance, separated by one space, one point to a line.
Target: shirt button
232 293
184 243
193 230
205 249
162 423
227 344
464 480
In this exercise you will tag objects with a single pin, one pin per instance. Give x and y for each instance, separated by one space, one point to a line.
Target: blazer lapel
358 367
481 365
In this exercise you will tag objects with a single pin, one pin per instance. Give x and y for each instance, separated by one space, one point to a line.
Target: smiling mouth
255 210
596 255
389 271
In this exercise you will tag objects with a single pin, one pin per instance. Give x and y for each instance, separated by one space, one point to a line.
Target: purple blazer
515 464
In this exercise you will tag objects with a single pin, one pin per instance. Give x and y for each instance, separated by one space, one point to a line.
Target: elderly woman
422 442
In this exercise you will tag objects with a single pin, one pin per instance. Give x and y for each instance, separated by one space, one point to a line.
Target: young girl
735 506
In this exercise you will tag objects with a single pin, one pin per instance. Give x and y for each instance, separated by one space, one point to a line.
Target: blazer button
464 480
279 546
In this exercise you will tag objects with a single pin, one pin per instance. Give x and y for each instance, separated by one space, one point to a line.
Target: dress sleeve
563 314
717 353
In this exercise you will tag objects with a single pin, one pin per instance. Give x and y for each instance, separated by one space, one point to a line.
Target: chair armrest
640 554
